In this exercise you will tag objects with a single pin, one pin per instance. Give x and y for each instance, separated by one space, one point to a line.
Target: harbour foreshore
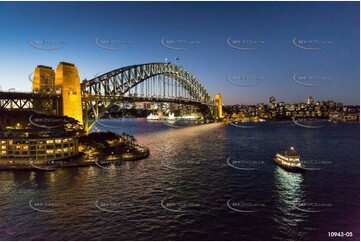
80 160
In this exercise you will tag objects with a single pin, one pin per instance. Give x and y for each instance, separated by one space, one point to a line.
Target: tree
131 139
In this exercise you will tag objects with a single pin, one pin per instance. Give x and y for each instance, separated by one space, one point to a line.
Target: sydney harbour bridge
62 93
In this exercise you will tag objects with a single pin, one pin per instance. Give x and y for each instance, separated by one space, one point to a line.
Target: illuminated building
19 146
336 116
310 101
272 102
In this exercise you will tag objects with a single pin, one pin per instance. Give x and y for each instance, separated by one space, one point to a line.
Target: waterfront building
351 117
336 116
17 147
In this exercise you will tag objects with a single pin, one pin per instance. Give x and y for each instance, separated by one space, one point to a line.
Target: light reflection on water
290 194
138 188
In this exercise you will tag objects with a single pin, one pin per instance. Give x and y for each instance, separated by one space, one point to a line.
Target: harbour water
203 182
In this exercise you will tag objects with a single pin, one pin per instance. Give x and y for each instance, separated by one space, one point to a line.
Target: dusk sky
73 30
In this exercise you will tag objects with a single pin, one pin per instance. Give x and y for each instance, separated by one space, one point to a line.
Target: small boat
289 161
153 117
171 116
192 117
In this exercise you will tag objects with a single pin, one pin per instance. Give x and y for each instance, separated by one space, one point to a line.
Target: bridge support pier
218 110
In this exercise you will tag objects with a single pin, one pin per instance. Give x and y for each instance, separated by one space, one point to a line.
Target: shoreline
79 162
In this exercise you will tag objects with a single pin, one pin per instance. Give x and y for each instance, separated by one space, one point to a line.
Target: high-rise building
272 102
310 101
339 105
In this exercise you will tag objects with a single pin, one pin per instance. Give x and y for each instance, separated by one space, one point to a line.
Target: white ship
289 160
193 116
153 117
171 116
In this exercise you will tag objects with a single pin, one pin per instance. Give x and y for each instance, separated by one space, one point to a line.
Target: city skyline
169 121
237 52
266 101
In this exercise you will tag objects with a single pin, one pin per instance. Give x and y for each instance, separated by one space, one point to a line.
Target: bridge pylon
67 82
218 110
43 79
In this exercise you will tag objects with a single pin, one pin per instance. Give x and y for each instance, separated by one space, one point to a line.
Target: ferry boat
171 116
153 117
289 161
192 117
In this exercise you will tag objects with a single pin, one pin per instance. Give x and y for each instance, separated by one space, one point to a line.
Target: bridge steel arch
103 91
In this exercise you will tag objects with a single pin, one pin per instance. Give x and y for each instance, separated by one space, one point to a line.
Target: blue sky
74 28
